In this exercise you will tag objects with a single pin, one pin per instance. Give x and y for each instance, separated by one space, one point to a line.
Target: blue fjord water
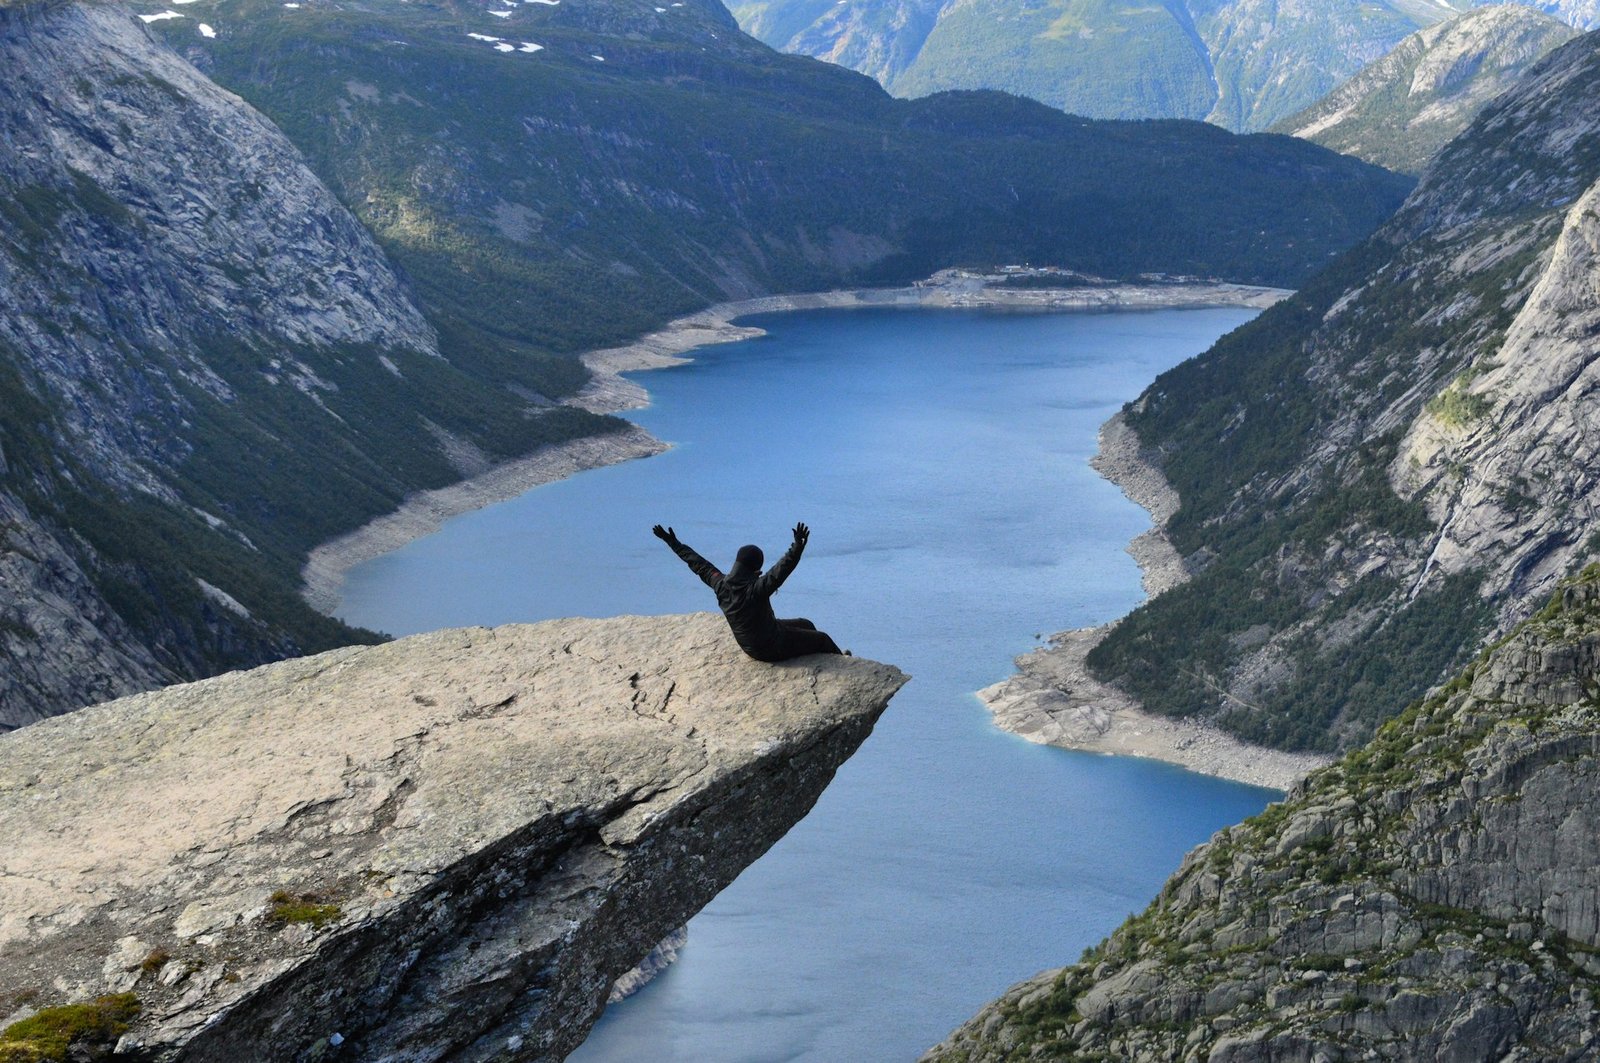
941 460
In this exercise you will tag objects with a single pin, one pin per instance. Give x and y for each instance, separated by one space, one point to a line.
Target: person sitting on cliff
745 595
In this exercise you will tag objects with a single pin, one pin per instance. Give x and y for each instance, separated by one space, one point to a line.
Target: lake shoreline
1053 700
608 392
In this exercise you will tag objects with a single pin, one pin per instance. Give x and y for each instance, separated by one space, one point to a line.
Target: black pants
799 637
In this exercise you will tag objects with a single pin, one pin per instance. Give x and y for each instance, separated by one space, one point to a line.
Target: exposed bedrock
1434 895
443 848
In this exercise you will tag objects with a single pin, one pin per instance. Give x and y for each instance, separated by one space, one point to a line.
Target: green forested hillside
1394 462
1101 58
557 200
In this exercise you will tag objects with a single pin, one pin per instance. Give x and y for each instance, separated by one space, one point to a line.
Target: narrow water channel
941 459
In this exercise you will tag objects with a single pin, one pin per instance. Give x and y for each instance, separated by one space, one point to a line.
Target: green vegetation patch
1457 407
154 961
312 908
49 1034
32 212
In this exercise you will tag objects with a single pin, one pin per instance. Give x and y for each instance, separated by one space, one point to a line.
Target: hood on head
747 563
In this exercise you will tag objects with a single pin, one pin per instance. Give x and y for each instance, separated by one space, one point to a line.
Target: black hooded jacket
745 596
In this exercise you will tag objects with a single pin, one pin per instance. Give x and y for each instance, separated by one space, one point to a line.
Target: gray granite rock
483 828
1439 477
1398 111
171 271
1433 896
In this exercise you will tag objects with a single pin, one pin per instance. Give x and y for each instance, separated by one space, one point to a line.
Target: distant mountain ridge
1241 64
696 165
1402 109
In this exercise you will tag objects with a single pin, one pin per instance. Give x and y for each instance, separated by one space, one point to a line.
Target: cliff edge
1435 895
443 848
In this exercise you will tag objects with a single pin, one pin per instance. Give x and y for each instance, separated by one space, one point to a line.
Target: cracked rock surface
492 825
1433 896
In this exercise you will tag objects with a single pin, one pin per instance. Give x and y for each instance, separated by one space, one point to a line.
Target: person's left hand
801 534
666 535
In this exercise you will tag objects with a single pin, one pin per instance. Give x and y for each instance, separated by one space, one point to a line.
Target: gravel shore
1054 700
424 512
609 392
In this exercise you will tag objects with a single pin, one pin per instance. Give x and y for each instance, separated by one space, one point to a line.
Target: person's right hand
666 535
801 534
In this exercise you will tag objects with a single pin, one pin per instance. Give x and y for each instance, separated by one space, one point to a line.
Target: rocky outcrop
446 847
1432 896
1403 108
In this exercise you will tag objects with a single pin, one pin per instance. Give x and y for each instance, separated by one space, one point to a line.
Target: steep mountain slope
1434 896
1400 459
879 39
581 199
206 365
1243 64
1402 109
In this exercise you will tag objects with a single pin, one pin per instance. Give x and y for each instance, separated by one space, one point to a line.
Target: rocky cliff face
146 219
1433 896
1397 462
150 211
1507 458
1270 59
1403 108
1584 14
206 366
443 848
62 643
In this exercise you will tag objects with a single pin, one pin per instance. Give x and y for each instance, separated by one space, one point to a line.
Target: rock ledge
494 823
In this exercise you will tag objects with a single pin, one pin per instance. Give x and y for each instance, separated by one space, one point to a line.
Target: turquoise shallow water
941 461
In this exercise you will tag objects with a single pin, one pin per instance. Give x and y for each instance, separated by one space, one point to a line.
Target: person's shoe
847 653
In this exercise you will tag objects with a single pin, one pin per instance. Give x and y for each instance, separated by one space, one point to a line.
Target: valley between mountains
272 274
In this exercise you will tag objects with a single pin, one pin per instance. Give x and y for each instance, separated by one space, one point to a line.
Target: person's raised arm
774 576
708 573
